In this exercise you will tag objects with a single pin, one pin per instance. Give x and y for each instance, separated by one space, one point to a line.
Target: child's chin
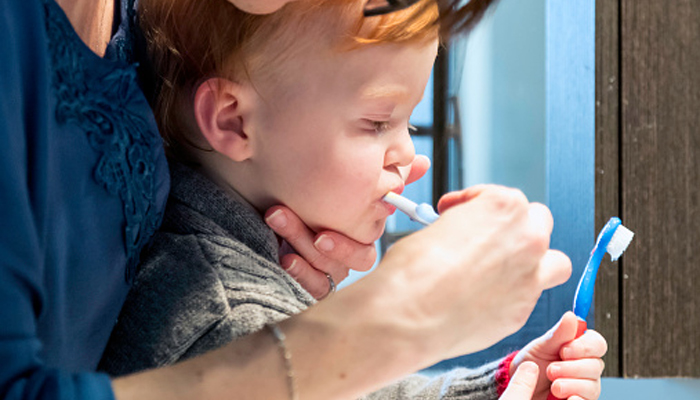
370 236
366 233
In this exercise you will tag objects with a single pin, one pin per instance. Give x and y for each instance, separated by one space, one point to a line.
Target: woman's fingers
314 281
356 256
452 199
418 168
541 218
325 250
317 254
555 269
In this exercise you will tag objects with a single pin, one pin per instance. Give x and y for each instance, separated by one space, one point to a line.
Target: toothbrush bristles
619 242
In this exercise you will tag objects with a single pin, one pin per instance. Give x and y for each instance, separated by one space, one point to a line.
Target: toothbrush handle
425 212
582 327
580 330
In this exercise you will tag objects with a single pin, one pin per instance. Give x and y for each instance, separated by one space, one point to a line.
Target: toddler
306 107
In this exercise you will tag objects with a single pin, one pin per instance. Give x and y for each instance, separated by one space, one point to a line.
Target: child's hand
522 384
570 368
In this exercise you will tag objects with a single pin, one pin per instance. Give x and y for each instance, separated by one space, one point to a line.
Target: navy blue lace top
83 182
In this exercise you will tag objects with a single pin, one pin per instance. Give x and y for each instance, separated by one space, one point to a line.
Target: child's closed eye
380 126
383 126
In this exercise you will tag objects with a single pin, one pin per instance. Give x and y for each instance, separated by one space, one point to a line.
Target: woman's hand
313 255
570 367
480 267
309 256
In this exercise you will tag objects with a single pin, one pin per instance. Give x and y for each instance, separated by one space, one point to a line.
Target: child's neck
211 168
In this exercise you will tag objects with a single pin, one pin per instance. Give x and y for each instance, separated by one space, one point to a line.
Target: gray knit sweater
211 275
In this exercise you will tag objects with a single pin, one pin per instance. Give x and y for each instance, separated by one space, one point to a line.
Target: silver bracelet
287 356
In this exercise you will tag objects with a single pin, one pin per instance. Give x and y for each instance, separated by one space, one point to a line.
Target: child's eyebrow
388 91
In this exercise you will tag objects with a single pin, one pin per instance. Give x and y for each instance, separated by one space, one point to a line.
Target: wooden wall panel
660 143
607 174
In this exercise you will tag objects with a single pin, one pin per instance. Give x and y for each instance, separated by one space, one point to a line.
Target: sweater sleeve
193 294
258 292
459 383
23 104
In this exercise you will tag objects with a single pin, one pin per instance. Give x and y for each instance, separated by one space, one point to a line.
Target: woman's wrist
354 343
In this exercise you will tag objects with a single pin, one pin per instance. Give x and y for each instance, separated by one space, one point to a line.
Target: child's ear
219 108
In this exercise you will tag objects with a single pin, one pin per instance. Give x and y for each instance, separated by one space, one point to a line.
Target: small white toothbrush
422 213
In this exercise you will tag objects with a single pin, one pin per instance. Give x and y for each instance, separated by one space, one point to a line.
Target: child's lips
398 189
391 209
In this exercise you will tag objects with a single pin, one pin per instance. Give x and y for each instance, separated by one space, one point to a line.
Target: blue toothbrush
422 213
614 239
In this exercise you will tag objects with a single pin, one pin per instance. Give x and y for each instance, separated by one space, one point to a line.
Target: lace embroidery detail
121 47
100 106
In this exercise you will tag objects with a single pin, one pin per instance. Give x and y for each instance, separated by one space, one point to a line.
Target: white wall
502 93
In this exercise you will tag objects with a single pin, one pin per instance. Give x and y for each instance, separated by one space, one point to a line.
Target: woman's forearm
355 344
340 349
250 368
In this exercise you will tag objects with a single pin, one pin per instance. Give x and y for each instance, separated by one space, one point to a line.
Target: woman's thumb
522 383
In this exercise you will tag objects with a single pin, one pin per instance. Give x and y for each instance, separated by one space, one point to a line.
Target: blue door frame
570 126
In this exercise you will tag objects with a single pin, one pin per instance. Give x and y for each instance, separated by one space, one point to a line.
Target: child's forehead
369 74
332 30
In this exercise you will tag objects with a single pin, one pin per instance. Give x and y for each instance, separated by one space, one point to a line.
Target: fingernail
560 387
290 267
324 243
529 369
554 370
277 220
567 353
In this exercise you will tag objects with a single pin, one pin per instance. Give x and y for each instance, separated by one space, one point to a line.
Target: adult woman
83 182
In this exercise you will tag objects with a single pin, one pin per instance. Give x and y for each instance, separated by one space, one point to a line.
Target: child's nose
400 151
